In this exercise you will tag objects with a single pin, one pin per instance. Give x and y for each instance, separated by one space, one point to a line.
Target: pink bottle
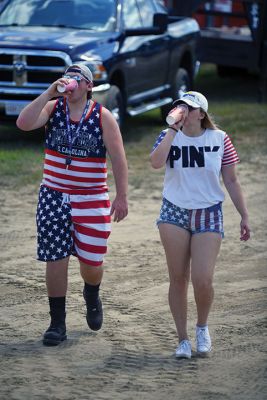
72 85
177 114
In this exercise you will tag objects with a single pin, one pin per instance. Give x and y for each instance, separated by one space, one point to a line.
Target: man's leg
91 229
56 283
92 277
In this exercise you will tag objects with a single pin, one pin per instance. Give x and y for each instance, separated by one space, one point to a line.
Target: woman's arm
159 155
234 189
113 142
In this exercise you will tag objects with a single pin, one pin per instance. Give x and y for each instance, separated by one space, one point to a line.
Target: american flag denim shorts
194 221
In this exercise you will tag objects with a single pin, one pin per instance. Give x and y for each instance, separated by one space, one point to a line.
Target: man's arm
36 114
113 142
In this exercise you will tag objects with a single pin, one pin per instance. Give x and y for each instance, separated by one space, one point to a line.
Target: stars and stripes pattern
206 219
159 139
171 213
87 172
72 224
195 221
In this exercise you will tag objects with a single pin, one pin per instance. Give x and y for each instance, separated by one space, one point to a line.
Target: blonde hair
208 122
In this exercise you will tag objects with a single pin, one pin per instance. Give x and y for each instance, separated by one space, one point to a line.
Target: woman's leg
204 251
176 243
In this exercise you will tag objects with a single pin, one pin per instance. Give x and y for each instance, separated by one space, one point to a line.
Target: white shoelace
184 346
203 339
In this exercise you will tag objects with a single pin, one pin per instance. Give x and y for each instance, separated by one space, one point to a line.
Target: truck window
131 15
81 14
146 11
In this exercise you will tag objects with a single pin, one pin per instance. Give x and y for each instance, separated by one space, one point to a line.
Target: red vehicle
233 34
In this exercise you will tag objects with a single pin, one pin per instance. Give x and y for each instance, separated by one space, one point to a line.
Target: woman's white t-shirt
193 167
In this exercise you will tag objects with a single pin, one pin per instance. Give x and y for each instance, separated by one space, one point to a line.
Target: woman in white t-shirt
195 153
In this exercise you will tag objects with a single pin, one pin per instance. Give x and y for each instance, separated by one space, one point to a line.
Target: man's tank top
87 171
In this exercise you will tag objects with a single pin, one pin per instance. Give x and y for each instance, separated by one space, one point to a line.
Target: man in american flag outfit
74 211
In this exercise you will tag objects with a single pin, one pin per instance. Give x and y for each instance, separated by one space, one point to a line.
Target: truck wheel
114 103
181 84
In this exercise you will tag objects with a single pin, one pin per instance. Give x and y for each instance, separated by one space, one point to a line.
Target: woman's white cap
193 99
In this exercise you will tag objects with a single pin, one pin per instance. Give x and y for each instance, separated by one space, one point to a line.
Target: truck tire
114 103
181 84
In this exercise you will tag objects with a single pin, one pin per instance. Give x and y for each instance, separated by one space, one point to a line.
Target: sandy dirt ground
132 356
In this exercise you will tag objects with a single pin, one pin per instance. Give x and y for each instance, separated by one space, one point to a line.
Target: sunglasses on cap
79 71
77 78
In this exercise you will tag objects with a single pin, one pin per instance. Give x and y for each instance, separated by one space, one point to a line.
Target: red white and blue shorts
194 221
72 224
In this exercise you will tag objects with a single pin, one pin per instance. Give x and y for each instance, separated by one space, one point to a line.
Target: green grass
232 102
20 158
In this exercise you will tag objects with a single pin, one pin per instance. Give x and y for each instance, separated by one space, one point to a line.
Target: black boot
56 333
94 315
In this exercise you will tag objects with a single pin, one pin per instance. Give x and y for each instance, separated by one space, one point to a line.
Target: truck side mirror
160 21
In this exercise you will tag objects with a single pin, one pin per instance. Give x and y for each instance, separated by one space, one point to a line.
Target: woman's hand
179 113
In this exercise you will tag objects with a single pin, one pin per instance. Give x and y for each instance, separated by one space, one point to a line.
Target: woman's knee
202 285
179 280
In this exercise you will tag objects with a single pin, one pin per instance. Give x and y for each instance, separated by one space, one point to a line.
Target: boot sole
94 327
92 324
53 342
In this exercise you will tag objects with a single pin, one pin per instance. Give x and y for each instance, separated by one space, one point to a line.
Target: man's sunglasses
77 78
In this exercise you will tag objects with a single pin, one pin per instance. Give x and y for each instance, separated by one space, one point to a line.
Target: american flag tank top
87 173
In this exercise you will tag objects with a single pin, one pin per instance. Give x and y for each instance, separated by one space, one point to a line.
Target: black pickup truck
140 57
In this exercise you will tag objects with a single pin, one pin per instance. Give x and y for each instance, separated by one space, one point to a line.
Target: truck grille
31 68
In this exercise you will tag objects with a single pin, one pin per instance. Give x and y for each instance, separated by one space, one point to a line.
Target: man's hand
52 90
119 208
244 229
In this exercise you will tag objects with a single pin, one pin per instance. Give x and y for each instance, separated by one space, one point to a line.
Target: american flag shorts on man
195 221
72 224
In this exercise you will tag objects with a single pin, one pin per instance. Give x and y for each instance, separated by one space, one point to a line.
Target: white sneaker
203 341
183 350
